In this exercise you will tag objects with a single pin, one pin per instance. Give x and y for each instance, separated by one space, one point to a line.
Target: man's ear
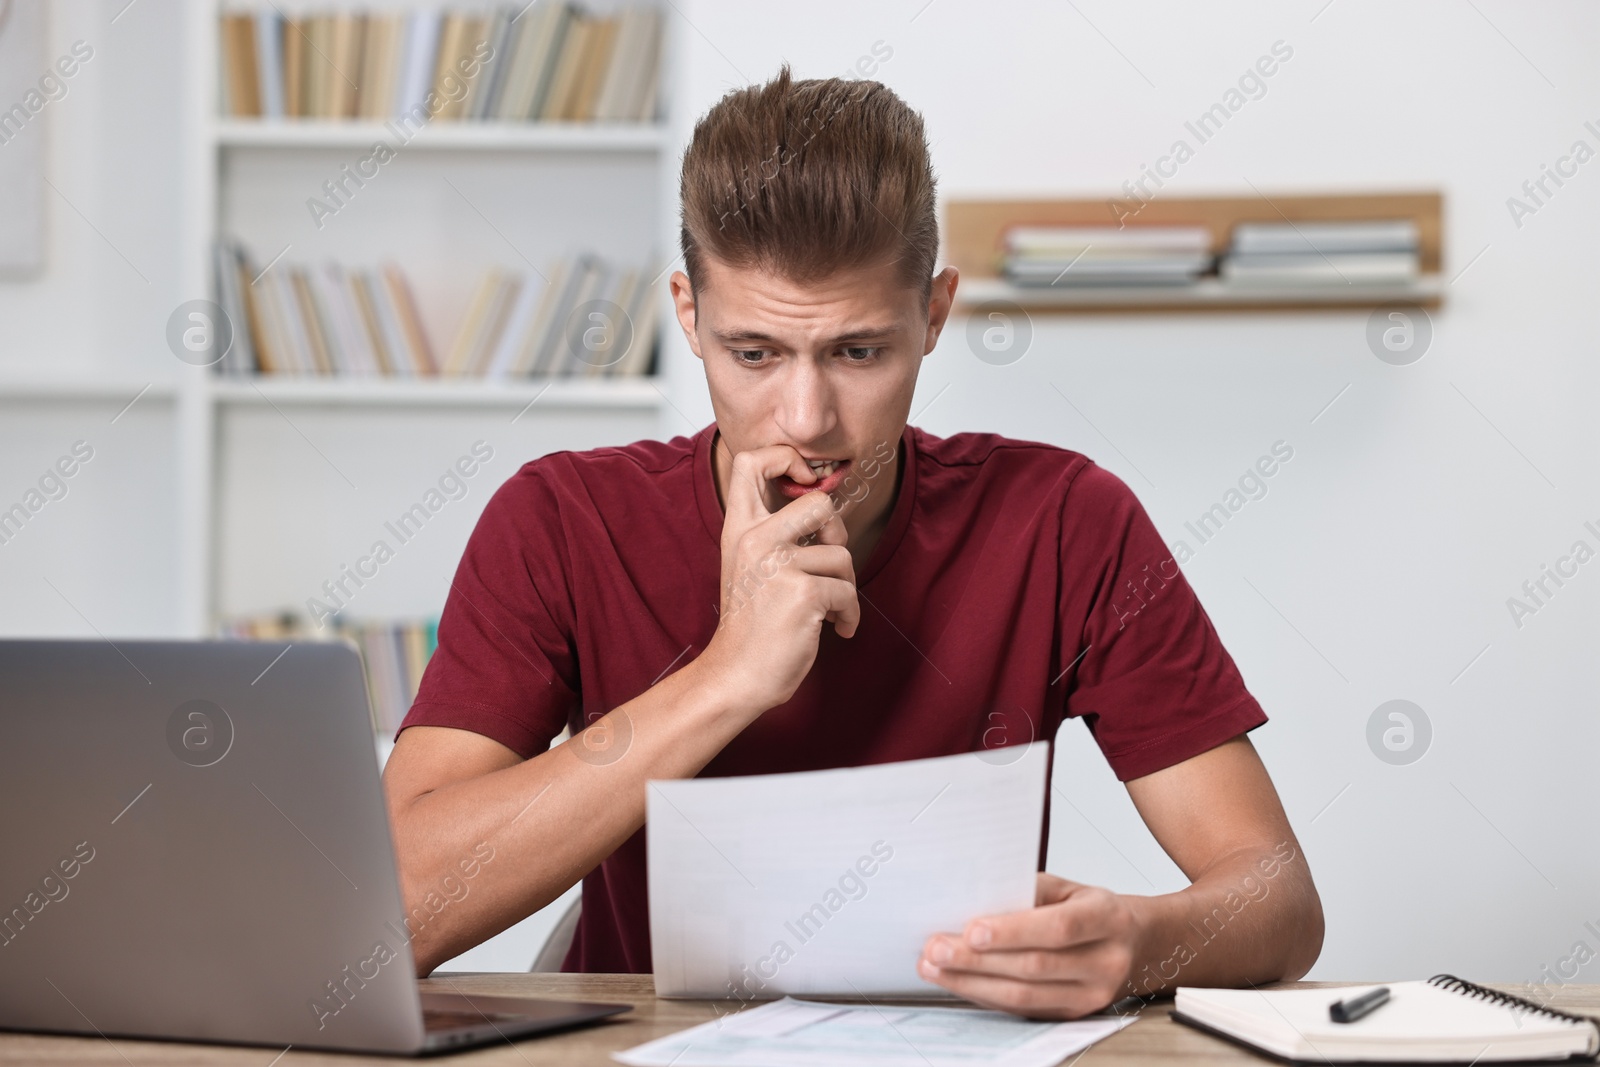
941 296
683 304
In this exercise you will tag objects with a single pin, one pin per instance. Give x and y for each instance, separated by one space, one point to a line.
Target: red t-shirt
1015 584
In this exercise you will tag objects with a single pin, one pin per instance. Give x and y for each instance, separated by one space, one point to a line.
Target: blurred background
261 344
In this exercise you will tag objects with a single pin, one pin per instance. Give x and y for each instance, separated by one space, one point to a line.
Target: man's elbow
1306 929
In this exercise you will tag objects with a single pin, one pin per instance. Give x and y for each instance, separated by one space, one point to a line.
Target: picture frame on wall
22 138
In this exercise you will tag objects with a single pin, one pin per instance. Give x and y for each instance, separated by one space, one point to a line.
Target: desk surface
1154 1039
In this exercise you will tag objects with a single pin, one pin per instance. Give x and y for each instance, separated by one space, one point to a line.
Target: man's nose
806 407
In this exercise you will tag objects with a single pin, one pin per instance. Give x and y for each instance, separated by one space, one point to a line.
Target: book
561 94
269 62
1065 242
637 360
1440 1020
546 60
415 76
240 356
379 57
345 321
553 37
394 654
345 33
494 325
267 345
405 307
532 343
1320 269
469 336
1073 256
321 358
518 322
597 56
294 62
1383 235
314 78
242 84
491 74
286 305
1087 270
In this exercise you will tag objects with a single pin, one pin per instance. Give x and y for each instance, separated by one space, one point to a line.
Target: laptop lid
197 848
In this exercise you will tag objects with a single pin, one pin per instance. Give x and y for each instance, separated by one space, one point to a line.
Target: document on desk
830 882
798 1033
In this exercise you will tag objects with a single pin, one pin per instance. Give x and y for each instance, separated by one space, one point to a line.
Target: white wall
1412 507
98 311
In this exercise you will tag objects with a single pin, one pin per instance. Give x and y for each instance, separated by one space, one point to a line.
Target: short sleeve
505 665
1154 684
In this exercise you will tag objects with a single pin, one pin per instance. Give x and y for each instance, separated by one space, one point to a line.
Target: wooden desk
1154 1039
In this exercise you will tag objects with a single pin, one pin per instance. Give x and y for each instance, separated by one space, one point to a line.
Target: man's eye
861 355
748 355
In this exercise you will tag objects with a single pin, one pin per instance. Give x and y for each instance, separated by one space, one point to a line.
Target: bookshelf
460 197
974 231
285 478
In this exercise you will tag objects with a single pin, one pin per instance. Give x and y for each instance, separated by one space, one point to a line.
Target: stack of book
580 319
589 319
1375 252
393 654
549 61
320 320
1074 256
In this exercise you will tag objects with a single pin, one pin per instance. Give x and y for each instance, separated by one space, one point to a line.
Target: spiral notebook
1442 1020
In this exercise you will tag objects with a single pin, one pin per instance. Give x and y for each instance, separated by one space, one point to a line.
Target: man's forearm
1253 917
547 821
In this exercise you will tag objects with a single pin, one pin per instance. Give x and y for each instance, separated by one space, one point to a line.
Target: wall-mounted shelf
974 229
87 389
1207 294
489 136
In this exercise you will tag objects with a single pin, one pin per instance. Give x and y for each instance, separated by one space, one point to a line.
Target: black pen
1348 1011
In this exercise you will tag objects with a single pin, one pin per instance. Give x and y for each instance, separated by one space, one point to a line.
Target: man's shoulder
991 461
613 467
992 454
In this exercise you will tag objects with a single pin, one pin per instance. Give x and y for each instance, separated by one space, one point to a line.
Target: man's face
827 367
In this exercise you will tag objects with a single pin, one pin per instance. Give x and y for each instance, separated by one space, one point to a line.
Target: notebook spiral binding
1451 983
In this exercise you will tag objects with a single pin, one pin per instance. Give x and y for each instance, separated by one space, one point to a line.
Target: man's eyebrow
867 333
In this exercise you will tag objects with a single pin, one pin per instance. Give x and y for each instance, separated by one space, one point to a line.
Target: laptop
196 848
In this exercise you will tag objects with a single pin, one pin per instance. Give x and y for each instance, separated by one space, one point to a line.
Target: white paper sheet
830 882
794 1033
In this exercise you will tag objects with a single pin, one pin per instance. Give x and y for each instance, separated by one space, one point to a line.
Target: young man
811 583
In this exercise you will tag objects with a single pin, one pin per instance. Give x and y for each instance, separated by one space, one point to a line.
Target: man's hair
805 178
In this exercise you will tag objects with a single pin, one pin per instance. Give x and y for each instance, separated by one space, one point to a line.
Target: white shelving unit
270 466
459 197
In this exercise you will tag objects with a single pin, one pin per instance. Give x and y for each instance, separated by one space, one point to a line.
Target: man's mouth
830 473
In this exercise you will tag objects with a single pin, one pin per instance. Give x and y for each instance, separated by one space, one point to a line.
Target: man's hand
1250 913
1069 956
778 588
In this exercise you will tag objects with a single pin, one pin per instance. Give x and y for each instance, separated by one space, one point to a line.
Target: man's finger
1074 918
1075 964
828 561
1037 1000
752 470
798 520
844 610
